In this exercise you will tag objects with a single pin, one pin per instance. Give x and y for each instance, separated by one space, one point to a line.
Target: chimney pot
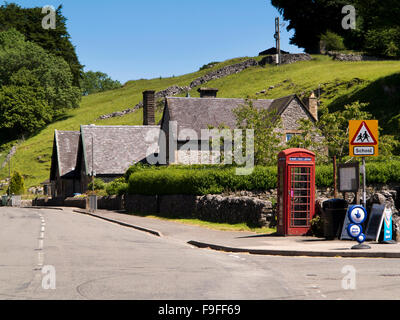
313 105
149 107
208 92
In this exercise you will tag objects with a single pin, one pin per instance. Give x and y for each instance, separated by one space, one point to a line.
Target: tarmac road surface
54 254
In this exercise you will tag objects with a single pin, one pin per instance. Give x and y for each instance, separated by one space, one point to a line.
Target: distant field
33 156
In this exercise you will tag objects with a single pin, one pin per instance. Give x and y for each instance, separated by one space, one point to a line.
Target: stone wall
216 208
223 72
286 58
141 204
174 90
351 57
75 203
110 203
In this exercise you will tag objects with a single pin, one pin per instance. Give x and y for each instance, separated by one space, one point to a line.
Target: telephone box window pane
300 215
300 196
300 223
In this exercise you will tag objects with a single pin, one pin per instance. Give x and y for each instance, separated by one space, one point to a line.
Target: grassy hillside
340 83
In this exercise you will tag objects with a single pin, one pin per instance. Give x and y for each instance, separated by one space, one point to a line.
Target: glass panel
300 215
300 196
300 223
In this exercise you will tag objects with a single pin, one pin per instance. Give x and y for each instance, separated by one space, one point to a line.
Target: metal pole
364 183
9 176
334 178
92 164
278 40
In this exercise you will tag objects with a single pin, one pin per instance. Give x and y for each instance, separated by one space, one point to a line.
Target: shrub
98 185
202 180
199 181
17 185
117 187
383 42
332 41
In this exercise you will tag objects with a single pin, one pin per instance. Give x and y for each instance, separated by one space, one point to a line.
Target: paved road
95 259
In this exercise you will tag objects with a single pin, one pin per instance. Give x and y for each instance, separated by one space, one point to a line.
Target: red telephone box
296 191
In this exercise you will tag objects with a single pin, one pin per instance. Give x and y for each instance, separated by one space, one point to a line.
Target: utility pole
92 164
9 176
277 37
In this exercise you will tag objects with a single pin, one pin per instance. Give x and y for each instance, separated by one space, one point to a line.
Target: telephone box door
300 199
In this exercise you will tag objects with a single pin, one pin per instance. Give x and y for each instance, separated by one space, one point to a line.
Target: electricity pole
9 176
277 37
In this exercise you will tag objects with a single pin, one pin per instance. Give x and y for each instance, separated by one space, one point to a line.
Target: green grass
213 225
33 155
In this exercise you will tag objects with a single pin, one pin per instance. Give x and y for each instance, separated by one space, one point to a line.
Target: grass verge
212 225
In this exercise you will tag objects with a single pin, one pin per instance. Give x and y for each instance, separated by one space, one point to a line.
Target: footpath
246 242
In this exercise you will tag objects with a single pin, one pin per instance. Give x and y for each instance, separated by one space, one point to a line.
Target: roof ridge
120 126
198 98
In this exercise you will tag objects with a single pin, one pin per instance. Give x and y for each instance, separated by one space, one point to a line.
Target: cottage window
289 136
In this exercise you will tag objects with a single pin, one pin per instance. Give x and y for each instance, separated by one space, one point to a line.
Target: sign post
363 142
357 215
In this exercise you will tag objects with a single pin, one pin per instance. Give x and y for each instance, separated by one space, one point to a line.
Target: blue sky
134 39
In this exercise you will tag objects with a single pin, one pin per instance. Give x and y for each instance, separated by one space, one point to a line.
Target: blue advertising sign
387 224
356 215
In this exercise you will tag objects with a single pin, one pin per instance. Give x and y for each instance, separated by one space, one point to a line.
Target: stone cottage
108 151
63 179
105 151
208 110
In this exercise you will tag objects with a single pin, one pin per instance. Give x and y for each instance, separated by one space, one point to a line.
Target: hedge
197 180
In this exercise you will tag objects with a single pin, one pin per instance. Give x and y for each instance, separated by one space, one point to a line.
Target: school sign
363 138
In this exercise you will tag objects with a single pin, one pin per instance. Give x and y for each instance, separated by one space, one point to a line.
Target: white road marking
41 244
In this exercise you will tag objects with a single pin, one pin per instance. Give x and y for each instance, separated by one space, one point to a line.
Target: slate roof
65 150
200 113
116 148
271 50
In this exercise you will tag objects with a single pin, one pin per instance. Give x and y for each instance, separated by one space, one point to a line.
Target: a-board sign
363 138
387 224
344 235
374 226
356 215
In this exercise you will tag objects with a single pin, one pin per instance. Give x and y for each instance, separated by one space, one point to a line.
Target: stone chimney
208 92
149 107
313 105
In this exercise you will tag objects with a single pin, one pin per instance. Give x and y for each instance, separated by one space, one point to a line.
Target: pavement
246 242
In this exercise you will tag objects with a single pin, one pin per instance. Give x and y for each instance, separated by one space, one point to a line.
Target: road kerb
297 253
153 232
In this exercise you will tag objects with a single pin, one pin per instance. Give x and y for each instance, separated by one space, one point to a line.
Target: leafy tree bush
35 86
207 180
28 21
332 41
98 185
267 136
383 42
93 82
117 187
17 185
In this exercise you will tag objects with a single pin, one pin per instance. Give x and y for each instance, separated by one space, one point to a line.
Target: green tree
93 82
332 41
28 21
17 185
310 137
267 128
335 127
35 87
310 19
